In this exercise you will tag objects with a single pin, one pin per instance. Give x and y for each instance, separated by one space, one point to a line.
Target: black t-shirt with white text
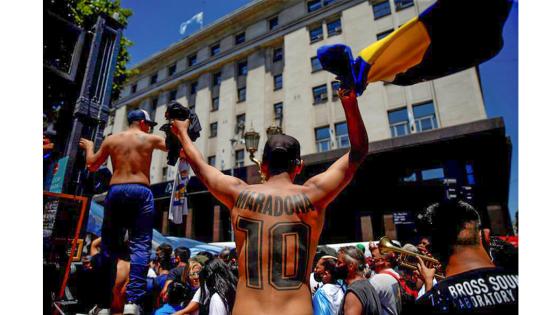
479 291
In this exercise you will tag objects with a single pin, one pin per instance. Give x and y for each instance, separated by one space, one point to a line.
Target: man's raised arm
94 160
327 185
225 188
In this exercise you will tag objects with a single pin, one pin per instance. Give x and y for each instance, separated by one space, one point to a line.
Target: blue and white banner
178 206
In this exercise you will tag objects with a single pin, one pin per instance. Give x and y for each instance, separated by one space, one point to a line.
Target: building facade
257 67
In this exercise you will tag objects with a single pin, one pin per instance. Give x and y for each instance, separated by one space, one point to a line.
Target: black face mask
317 277
341 272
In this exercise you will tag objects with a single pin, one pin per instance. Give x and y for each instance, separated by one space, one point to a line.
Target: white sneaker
132 309
96 310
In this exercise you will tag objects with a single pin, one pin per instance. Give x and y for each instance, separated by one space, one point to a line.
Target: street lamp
251 145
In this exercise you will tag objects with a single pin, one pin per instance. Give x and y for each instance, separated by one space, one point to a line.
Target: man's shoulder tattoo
142 137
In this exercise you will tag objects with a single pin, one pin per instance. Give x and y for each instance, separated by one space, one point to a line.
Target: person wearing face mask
360 297
327 298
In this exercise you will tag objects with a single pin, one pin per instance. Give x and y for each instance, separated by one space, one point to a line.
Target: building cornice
491 125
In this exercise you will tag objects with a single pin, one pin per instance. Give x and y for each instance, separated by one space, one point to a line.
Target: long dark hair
217 278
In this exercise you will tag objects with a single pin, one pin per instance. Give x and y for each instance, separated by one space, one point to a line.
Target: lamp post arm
254 160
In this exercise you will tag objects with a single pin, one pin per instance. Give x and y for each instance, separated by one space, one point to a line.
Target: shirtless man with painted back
129 205
278 224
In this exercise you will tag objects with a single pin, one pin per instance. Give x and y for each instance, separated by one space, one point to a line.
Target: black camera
179 112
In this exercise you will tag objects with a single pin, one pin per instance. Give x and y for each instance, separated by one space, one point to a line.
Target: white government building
257 67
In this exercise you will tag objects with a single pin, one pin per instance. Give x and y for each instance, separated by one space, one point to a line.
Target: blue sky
499 77
155 25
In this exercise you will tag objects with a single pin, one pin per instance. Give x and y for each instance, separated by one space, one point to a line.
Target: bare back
131 156
278 224
277 229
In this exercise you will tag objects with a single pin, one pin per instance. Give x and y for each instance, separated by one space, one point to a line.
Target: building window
424 116
239 158
240 124
322 139
398 122
381 9
111 119
153 107
153 78
319 94
334 28
242 68
214 50
273 23
315 64
278 82
213 129
172 95
217 79
194 87
316 34
341 131
215 104
212 160
409 178
335 85
433 174
403 4
133 88
154 103
278 110
192 60
171 70
277 54
240 38
313 5
382 35
241 94
469 171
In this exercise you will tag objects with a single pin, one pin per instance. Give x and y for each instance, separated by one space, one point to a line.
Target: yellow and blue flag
447 37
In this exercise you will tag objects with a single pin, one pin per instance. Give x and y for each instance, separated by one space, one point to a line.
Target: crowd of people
480 275
476 279
173 281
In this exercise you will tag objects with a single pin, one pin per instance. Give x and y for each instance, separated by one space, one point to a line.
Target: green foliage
84 14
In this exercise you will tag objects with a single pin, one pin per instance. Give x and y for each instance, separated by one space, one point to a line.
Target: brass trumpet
408 259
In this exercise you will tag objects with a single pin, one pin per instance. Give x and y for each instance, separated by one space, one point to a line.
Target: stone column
165 223
390 228
497 222
217 224
366 228
189 224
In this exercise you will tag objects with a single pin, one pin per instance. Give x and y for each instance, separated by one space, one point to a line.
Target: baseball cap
140 114
361 247
280 149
